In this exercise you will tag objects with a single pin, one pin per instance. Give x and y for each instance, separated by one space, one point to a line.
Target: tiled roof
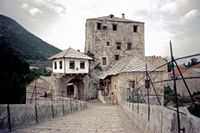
176 71
109 18
128 64
196 66
70 53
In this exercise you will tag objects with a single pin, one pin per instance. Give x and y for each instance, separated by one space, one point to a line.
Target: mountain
23 43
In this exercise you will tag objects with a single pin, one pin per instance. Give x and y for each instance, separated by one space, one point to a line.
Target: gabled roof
70 53
113 18
128 64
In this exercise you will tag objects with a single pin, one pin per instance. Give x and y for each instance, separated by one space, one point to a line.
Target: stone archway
75 88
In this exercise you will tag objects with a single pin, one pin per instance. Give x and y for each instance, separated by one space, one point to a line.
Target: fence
42 104
146 83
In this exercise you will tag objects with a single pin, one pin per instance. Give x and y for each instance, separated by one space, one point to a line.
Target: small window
98 26
55 65
135 28
147 84
114 27
116 57
104 60
60 64
82 64
104 27
132 84
71 64
118 45
108 43
129 46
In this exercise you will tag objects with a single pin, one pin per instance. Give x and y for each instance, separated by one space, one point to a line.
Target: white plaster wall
67 70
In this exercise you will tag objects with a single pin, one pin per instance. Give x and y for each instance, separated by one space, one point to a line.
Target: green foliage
12 76
194 110
34 73
168 95
98 67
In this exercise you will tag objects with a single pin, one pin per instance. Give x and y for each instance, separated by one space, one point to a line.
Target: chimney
123 15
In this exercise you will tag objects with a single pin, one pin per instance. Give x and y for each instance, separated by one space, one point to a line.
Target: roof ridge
66 52
127 63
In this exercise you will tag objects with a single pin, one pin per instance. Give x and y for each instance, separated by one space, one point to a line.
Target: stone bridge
97 118
100 118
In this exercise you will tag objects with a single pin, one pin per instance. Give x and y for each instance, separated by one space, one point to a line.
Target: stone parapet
161 119
22 115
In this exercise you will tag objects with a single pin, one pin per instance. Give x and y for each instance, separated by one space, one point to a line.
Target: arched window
104 60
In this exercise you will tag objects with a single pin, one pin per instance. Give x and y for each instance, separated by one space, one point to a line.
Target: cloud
58 6
25 6
33 11
189 16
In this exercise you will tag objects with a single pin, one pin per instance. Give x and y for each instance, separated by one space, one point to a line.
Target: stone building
128 76
110 38
69 78
117 45
193 84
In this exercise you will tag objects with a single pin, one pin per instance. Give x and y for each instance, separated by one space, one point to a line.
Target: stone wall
22 115
161 120
193 84
96 41
120 83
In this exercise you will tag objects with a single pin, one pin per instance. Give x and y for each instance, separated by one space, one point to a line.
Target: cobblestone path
97 118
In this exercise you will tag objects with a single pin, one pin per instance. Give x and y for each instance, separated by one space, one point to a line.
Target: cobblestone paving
97 118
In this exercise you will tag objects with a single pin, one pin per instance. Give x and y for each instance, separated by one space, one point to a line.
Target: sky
62 22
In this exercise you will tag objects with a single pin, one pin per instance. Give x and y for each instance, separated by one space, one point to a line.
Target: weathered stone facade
106 42
193 84
121 83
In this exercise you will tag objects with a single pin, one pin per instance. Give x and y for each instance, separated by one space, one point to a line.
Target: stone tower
110 38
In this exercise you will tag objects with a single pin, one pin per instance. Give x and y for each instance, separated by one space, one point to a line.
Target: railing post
175 90
147 86
9 121
36 114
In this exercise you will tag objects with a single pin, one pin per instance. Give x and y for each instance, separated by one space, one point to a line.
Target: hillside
23 43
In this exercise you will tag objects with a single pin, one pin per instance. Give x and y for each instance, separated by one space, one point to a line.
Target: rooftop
70 53
113 18
128 64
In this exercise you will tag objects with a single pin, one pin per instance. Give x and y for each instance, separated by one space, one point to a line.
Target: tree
12 76
194 61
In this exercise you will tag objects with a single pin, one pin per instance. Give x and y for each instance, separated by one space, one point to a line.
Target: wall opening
104 61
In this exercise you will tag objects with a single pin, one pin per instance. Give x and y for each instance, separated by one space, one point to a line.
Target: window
116 57
132 84
82 65
60 64
129 46
114 27
118 45
108 43
147 84
104 60
71 64
55 65
135 28
104 27
98 26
